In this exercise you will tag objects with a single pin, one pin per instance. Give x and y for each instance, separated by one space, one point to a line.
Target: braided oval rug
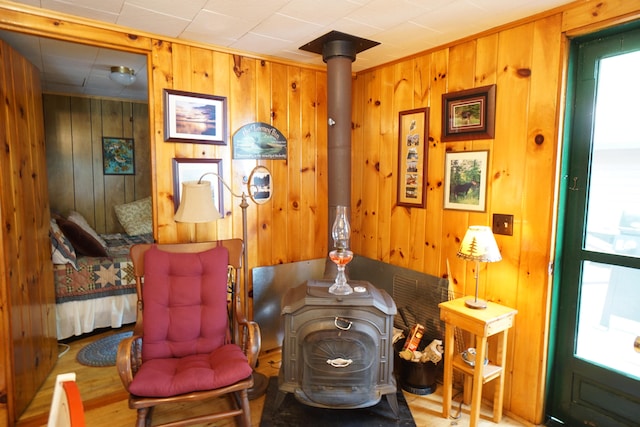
103 351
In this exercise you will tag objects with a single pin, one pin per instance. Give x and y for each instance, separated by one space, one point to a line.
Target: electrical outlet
503 224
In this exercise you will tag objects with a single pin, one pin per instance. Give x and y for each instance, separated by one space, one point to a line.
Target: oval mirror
259 185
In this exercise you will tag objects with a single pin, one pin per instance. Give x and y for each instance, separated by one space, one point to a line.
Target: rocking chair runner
185 350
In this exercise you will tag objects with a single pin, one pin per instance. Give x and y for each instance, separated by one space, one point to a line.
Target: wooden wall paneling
9 248
399 97
583 16
357 154
387 163
424 234
424 95
459 76
142 183
265 212
310 230
370 158
83 148
129 180
162 152
26 287
20 297
114 185
242 89
43 338
295 190
59 151
536 241
243 168
199 78
24 215
509 154
45 269
95 166
508 158
279 169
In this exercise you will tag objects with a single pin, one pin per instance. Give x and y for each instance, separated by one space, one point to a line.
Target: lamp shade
479 245
123 75
196 203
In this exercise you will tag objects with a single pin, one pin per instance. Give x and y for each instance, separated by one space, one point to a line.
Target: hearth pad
293 413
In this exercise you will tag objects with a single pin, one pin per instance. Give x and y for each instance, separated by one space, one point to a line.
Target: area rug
293 413
103 351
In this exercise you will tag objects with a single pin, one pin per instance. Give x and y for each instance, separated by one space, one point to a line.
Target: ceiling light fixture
123 75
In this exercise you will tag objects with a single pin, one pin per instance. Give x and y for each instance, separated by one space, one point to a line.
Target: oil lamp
341 255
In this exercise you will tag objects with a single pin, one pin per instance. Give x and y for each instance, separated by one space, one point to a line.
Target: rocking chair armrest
251 341
129 359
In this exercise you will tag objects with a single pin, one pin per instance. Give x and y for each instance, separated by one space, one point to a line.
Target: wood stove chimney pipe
338 52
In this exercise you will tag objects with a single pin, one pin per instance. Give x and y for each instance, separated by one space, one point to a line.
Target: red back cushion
185 302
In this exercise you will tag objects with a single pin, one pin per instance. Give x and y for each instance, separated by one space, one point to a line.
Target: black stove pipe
338 54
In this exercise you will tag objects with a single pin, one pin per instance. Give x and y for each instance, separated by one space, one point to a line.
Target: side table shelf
496 320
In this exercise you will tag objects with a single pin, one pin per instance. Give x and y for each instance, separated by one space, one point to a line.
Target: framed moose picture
465 180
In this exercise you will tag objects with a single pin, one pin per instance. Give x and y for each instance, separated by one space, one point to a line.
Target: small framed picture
412 157
260 185
196 118
469 114
118 156
465 180
192 170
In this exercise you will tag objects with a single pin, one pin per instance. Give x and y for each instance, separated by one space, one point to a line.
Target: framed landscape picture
465 180
196 118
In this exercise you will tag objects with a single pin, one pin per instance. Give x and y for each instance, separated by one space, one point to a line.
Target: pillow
76 217
84 243
135 217
62 251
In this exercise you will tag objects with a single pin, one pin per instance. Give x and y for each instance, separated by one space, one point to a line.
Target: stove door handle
342 323
339 362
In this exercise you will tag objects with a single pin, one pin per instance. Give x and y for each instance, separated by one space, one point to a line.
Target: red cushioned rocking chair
185 349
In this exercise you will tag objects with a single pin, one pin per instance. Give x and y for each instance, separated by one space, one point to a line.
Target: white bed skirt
81 317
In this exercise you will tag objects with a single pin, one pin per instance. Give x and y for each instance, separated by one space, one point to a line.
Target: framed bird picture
118 156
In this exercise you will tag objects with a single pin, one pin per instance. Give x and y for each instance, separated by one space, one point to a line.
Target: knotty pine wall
74 127
27 294
523 178
524 62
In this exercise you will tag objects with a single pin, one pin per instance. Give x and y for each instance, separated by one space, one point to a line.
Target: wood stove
337 351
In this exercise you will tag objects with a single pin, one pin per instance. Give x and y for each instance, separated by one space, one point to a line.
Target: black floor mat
292 413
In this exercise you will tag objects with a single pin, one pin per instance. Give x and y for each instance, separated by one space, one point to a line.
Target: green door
595 371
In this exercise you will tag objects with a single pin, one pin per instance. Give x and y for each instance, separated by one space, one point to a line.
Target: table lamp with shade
197 206
479 245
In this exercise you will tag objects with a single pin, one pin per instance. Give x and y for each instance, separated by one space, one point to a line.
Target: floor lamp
196 206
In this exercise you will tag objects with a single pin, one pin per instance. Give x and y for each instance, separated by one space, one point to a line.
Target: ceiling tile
105 11
178 9
215 28
152 22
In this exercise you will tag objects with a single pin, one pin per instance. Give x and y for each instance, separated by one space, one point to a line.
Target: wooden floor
105 400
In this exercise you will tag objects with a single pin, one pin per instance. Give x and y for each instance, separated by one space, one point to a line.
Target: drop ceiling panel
274 28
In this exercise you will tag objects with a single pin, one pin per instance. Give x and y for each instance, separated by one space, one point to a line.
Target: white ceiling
271 28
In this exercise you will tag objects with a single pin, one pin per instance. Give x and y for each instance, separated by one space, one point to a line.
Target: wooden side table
482 323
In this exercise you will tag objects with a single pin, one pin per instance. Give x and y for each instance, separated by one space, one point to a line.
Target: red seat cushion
185 344
170 377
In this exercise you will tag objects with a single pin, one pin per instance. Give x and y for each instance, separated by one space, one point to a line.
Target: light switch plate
503 224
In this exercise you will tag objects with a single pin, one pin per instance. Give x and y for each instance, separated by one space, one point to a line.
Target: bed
93 274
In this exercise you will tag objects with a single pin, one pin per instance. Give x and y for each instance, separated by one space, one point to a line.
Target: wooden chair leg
246 410
142 420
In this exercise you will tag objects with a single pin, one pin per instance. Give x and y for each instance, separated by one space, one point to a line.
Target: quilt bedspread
98 277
